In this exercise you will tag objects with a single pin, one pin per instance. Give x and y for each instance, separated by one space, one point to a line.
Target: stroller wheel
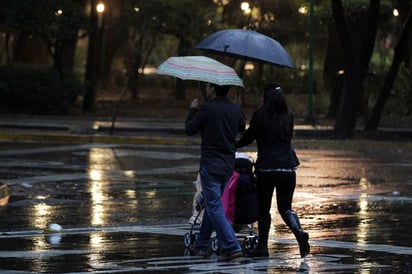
194 237
249 242
186 252
214 244
188 239
256 239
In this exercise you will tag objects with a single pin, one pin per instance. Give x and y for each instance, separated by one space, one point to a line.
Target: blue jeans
214 217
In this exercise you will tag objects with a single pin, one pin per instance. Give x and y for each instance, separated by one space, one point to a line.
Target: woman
272 128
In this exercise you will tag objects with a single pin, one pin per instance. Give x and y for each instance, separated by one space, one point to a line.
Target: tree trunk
355 67
405 7
345 116
57 59
68 54
114 34
134 79
331 72
345 122
90 74
7 47
398 57
183 48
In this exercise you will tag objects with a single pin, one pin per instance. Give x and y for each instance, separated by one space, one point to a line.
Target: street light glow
245 7
100 7
395 12
303 10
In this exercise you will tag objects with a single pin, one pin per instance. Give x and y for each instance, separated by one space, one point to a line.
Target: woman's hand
194 103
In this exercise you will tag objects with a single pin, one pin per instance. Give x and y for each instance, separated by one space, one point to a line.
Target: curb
105 139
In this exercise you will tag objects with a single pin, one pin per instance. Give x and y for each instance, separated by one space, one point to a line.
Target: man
218 121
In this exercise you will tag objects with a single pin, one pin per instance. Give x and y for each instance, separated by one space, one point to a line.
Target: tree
333 72
113 37
149 22
56 23
356 64
399 56
90 76
144 23
187 23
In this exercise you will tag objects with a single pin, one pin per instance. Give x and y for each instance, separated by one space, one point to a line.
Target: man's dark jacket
218 121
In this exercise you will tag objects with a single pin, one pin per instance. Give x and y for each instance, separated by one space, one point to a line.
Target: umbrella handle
242 68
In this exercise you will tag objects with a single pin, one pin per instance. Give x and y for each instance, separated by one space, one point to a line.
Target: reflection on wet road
124 208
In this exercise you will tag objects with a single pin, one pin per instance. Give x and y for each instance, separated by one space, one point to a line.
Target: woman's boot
292 221
261 249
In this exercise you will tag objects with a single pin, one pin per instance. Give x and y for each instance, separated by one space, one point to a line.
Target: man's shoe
257 252
198 252
230 256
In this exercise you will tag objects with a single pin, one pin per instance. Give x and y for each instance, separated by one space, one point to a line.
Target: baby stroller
239 202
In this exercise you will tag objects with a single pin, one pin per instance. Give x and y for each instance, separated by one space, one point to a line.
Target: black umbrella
247 45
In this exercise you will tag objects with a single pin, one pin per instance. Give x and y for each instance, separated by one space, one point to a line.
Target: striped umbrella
200 68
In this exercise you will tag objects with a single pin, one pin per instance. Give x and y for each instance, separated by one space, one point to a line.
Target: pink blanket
228 197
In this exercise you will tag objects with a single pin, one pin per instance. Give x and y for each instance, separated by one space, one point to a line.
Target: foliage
160 28
30 90
152 23
176 24
400 101
49 19
55 22
143 18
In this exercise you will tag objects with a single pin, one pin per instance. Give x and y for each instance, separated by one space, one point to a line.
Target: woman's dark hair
275 110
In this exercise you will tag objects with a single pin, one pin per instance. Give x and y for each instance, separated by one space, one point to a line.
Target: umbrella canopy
247 44
200 68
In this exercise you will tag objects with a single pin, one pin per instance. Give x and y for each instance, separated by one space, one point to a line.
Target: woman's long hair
276 111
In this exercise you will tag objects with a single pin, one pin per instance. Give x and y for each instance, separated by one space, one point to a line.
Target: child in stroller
239 201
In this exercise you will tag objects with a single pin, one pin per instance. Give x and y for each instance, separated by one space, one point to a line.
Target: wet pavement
124 204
